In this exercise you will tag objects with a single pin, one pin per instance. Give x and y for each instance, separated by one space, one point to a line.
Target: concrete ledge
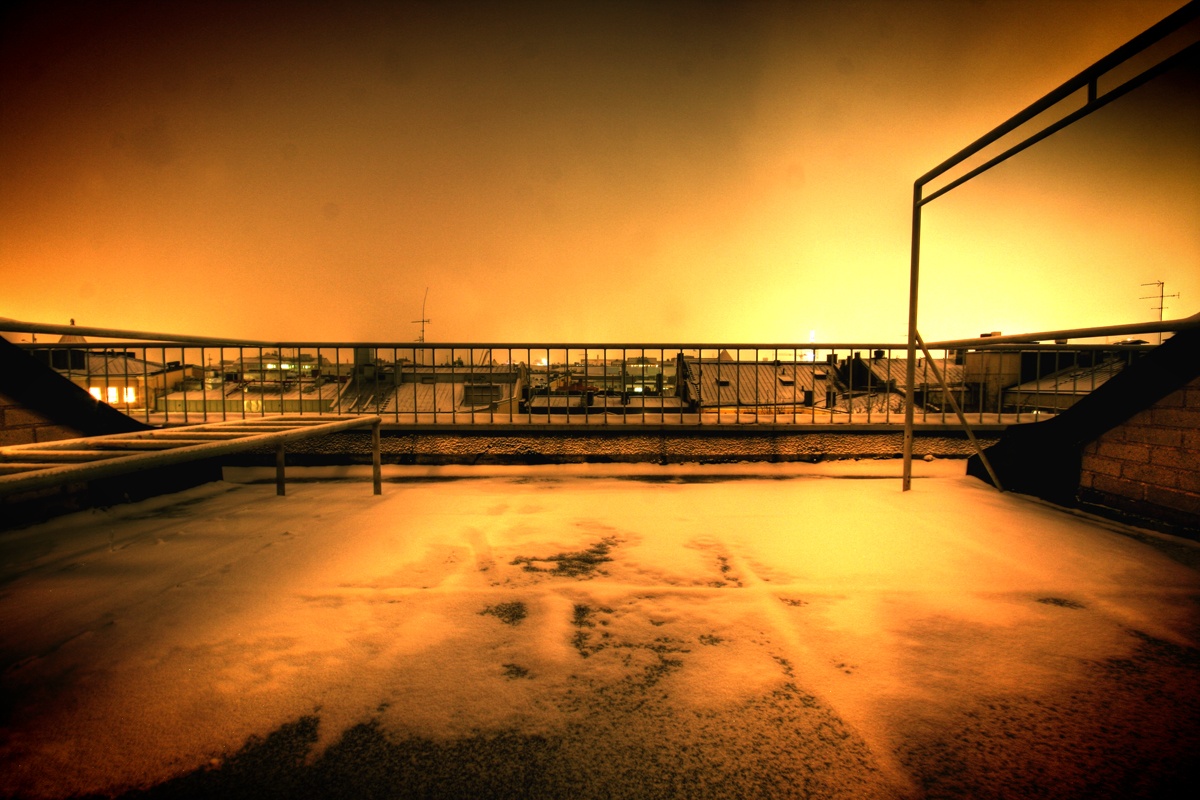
620 428
664 446
884 469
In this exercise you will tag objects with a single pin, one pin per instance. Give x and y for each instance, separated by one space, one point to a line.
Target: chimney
878 355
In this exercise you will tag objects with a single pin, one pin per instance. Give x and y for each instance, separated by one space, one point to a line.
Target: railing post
962 419
376 469
279 480
910 367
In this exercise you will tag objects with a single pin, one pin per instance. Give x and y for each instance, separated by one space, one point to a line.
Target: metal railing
29 467
1172 42
184 381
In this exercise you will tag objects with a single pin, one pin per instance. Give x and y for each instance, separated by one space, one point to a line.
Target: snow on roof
113 364
711 625
442 397
1074 380
288 390
755 383
426 397
896 369
465 369
883 401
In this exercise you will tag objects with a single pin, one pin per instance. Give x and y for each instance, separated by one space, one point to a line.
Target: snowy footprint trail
562 633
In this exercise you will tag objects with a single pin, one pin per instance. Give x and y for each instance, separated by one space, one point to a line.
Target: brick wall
20 425
1149 466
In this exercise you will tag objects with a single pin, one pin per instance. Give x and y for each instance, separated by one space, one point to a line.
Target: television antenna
423 320
1162 287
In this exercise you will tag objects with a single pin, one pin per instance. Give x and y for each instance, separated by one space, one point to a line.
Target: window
722 383
130 394
787 381
95 392
476 394
112 395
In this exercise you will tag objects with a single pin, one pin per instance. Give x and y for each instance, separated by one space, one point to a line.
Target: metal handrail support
376 469
1087 78
910 369
1187 323
124 464
1161 326
7 324
962 419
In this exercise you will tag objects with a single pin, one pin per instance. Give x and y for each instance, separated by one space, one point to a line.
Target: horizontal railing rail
30 467
435 385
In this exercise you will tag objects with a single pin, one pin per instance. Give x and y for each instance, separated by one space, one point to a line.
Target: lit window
95 392
130 395
112 395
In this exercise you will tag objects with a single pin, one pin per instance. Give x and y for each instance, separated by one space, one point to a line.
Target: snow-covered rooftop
753 630
1075 379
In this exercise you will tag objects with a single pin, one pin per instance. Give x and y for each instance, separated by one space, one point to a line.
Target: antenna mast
1162 287
422 320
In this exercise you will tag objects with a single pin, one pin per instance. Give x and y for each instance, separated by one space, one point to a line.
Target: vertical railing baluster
145 381
163 373
243 382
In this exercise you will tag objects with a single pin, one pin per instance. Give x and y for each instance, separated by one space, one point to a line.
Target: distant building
118 377
879 383
710 383
414 389
1063 389
39 404
273 367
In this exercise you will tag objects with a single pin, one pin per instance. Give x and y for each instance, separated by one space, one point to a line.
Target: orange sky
584 172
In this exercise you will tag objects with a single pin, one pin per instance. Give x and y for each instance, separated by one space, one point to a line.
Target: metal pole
279 483
376 469
962 419
910 367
